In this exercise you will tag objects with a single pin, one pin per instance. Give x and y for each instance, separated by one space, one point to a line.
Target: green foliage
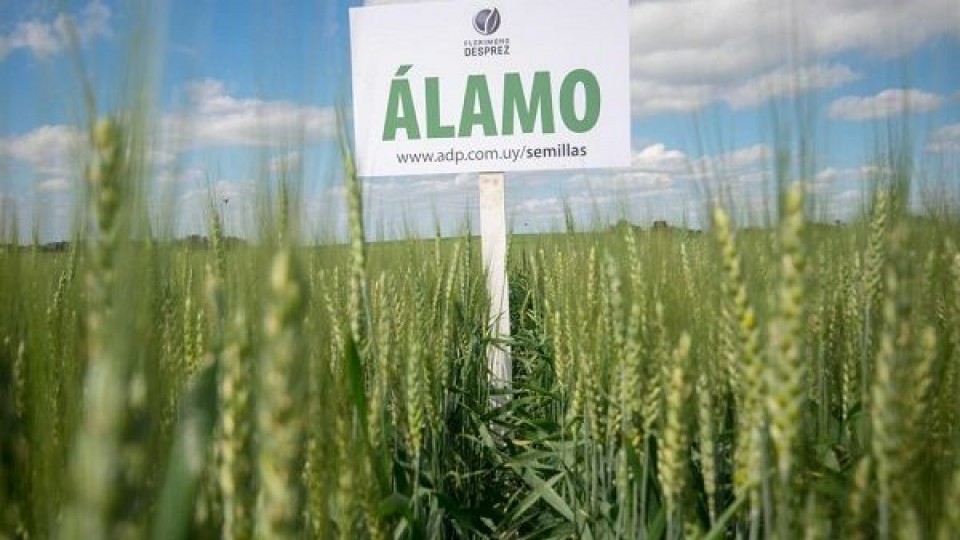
761 383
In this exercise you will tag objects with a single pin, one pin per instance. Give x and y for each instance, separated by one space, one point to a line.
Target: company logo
486 21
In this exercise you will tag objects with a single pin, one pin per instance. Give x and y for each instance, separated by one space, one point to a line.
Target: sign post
469 85
493 240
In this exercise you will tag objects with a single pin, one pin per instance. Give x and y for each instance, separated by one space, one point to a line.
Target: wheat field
796 380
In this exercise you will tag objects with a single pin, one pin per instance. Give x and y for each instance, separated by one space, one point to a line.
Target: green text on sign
533 111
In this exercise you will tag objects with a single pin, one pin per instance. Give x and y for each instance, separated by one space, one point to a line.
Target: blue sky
241 90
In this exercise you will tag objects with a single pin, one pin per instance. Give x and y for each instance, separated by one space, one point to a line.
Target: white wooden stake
493 241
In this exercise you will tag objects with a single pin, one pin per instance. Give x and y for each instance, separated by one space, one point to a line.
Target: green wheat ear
675 446
94 468
358 306
874 261
282 390
786 371
707 436
235 433
416 403
743 358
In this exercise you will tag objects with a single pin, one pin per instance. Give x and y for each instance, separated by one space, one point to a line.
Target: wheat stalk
280 426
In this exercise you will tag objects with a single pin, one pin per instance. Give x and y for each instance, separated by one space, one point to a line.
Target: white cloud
890 102
540 208
51 150
291 162
831 180
233 190
421 188
749 156
884 27
93 21
652 96
945 139
462 179
415 201
234 198
45 39
213 118
181 178
654 169
784 82
627 182
649 96
736 161
55 185
828 175
841 205
645 183
161 158
40 38
685 54
660 174
656 157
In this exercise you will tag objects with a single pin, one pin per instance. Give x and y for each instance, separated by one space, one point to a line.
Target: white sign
467 86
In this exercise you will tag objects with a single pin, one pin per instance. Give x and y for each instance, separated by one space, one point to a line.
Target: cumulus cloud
663 182
651 96
47 38
540 207
945 139
420 187
656 157
213 118
828 175
784 82
658 171
757 154
291 162
829 180
654 169
891 102
839 204
235 199
51 150
177 178
688 54
55 185
630 182
737 161
233 191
